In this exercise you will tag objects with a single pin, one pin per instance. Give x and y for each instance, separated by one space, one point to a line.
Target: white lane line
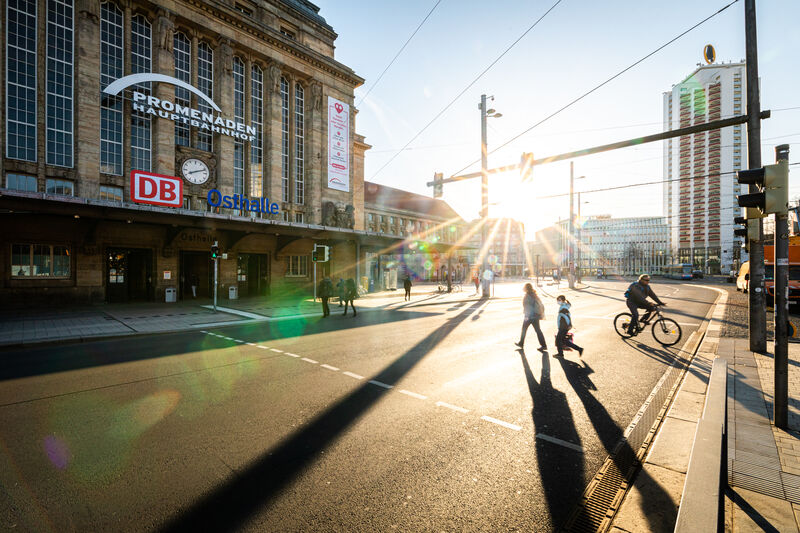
291 354
560 442
276 350
228 338
413 394
329 367
307 360
356 376
453 407
379 384
501 423
251 344
239 341
203 331
263 347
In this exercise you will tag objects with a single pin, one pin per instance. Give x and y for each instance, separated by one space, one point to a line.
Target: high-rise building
700 186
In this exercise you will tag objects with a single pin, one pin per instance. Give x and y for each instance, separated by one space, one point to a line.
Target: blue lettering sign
237 201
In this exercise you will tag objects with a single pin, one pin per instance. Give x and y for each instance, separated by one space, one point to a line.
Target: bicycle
454 287
665 330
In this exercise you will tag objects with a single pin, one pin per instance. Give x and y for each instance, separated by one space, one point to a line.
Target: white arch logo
133 79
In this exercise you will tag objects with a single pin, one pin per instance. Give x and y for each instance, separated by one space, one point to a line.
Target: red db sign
156 189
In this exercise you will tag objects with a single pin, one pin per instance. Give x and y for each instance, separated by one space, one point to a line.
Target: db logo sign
156 189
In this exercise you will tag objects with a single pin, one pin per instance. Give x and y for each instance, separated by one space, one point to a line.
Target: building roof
384 197
309 10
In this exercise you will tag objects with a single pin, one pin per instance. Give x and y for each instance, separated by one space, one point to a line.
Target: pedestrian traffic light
526 165
437 184
773 183
214 250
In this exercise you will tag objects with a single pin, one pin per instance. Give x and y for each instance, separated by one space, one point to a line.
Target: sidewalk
763 461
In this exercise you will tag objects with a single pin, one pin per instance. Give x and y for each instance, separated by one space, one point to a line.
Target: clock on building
195 171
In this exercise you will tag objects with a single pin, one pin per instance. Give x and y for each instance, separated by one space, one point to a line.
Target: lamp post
580 233
485 113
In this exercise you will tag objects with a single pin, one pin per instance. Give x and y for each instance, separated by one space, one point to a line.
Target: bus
682 271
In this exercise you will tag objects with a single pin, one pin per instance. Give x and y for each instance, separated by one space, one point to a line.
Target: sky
577 46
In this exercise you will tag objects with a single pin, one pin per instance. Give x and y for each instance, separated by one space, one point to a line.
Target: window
181 51
299 181
187 202
21 80
245 10
284 139
111 193
21 182
238 116
39 260
286 216
59 82
205 82
111 69
297 266
298 217
257 121
287 33
141 52
57 186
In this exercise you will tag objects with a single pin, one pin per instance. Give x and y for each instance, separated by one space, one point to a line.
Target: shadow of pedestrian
230 505
561 468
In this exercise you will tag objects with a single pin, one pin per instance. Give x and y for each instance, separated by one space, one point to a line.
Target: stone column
163 132
223 96
316 179
87 96
272 132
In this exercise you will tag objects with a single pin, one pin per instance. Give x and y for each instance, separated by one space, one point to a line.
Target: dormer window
287 33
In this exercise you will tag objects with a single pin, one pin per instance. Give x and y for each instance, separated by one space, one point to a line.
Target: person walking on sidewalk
533 310
564 321
194 281
340 290
325 291
407 287
476 280
350 294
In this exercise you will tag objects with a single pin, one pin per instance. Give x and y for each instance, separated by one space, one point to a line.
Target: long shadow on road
561 468
235 501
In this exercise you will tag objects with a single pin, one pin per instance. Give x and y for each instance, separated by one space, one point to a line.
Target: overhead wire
470 84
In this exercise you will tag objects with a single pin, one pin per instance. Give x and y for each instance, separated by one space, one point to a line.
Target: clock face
195 171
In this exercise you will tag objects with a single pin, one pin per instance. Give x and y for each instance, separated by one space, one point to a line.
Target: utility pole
484 200
571 247
580 235
758 314
781 349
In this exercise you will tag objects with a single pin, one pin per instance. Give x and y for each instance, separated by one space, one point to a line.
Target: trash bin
170 295
233 292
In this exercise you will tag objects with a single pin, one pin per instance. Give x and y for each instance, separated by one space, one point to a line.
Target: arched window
299 138
257 120
284 139
60 54
141 61
238 116
205 82
21 80
111 69
182 53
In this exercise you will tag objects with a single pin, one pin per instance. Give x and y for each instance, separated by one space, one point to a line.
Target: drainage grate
605 492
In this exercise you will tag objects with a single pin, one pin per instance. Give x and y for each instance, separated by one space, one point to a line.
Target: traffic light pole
758 314
484 203
571 248
216 280
781 400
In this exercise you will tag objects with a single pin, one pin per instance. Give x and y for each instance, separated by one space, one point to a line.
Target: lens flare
57 451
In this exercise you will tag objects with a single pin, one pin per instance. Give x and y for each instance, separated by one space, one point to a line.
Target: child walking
564 321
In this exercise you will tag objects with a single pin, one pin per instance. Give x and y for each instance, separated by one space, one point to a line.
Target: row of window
21 111
406 226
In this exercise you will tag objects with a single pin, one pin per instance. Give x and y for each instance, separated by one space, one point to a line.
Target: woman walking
564 321
533 310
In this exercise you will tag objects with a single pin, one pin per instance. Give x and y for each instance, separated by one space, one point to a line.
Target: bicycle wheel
666 331
621 323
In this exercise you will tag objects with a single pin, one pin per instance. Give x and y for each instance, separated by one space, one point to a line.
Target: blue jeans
634 309
535 323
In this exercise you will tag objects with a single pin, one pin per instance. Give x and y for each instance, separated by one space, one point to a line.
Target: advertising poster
338 145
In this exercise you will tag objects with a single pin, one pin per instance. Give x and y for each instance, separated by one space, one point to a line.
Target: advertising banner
338 145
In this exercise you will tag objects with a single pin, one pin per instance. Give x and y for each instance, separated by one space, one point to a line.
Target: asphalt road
423 417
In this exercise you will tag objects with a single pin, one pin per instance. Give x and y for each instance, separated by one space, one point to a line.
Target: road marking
307 360
356 376
453 407
379 384
291 354
413 394
203 331
276 350
263 347
228 338
501 423
251 344
329 367
560 442
234 312
238 340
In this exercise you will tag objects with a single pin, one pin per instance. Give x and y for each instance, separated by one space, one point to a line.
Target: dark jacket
350 291
325 288
407 283
638 293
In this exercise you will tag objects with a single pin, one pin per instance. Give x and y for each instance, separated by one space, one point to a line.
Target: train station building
136 135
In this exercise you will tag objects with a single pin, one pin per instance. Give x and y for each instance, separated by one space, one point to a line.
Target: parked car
697 274
743 279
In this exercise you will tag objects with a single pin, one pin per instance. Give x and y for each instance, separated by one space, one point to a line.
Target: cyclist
636 298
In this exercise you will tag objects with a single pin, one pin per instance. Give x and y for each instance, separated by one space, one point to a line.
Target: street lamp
485 113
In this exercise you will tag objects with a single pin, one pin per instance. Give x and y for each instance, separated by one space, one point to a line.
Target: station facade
139 133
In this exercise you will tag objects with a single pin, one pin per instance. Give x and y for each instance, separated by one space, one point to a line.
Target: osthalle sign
338 145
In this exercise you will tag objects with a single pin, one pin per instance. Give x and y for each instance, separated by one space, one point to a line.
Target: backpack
628 292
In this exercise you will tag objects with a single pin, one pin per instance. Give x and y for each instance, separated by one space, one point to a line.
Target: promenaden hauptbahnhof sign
151 105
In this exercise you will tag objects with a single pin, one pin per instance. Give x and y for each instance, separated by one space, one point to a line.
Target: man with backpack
636 298
325 291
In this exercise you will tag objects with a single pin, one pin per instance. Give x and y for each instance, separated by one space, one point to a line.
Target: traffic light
526 165
320 253
773 182
214 250
437 184
740 232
